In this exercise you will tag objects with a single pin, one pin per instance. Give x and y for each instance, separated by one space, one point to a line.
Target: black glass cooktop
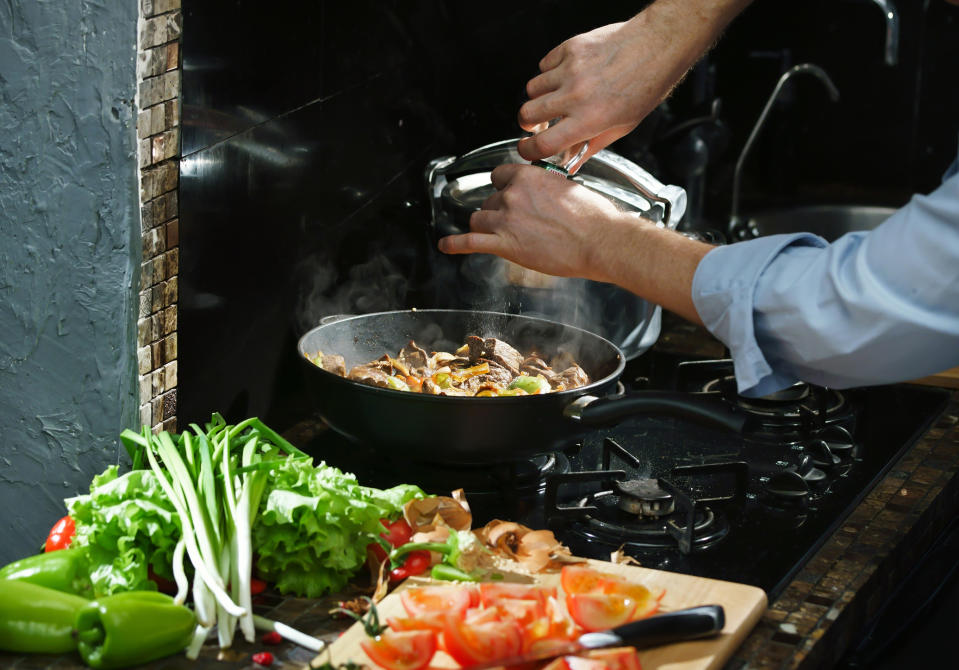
681 497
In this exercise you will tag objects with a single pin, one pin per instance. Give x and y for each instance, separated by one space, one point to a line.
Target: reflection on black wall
307 127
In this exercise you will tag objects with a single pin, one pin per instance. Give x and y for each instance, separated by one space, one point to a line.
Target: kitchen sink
827 221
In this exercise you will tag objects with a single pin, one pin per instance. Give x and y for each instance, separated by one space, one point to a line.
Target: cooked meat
370 374
562 360
498 377
481 364
494 350
441 359
331 363
534 365
574 377
414 358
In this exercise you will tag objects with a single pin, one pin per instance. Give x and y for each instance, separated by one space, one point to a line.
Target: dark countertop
810 625
841 588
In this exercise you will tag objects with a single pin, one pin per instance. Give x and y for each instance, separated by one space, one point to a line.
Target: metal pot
457 430
459 185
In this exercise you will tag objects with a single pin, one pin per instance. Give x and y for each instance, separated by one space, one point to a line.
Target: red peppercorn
263 658
271 638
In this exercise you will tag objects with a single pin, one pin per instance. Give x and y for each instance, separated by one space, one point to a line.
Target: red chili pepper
271 638
263 658
416 563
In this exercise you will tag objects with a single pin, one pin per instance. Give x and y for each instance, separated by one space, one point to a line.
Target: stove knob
810 473
821 454
787 485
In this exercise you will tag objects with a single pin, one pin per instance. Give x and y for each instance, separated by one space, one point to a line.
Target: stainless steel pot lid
459 185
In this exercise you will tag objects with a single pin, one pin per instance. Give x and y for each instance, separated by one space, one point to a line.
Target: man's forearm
689 28
655 263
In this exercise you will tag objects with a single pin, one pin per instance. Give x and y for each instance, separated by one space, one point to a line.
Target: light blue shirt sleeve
871 308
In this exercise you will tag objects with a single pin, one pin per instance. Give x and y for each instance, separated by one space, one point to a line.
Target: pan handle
705 408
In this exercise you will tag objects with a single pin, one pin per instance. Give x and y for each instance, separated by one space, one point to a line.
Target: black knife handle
688 624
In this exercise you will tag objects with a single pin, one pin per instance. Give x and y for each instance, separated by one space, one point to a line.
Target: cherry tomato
401 650
263 658
397 533
61 535
472 643
257 586
599 611
416 563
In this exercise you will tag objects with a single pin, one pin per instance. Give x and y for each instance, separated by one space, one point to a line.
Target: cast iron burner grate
785 417
645 512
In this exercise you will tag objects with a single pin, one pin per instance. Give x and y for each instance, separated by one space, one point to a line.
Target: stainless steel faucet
891 14
735 225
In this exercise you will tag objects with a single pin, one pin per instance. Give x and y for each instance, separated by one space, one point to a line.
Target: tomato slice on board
401 650
434 624
584 663
426 601
583 579
472 643
599 611
647 601
491 593
617 658
61 535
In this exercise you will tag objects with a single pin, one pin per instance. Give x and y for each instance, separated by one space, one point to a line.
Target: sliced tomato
491 593
426 601
401 650
647 600
481 615
583 579
617 658
599 611
521 611
472 643
409 623
584 663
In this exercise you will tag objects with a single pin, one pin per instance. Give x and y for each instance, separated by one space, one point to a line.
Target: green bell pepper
131 628
37 619
65 570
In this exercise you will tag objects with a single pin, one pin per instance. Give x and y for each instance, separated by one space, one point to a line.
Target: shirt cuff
724 288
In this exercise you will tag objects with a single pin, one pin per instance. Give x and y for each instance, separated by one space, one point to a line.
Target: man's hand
599 85
541 221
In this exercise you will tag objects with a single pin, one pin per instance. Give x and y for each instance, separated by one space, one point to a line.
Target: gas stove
747 507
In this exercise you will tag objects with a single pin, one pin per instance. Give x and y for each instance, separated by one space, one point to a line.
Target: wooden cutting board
743 606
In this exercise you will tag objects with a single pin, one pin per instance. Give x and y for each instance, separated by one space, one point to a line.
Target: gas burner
784 407
609 523
643 512
643 498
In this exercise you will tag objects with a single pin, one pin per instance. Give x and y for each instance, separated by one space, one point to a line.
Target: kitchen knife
687 624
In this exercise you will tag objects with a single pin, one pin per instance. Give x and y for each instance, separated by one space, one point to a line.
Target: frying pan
475 431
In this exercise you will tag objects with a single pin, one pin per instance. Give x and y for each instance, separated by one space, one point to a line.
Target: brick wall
158 150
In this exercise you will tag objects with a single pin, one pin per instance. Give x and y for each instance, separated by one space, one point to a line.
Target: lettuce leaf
314 524
128 526
310 534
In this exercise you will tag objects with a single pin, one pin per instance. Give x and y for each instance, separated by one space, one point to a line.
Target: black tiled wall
307 127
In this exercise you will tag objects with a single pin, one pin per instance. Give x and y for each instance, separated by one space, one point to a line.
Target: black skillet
455 430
